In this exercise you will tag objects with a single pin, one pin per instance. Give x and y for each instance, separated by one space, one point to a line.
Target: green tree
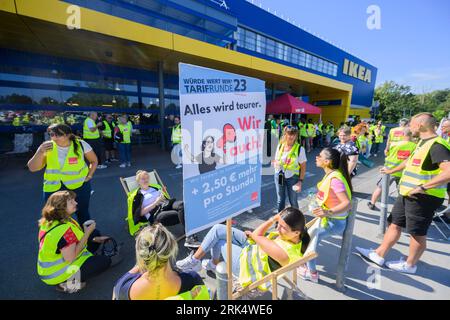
396 101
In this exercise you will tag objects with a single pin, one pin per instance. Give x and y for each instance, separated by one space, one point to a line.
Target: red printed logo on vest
254 196
73 160
403 154
320 195
398 133
416 162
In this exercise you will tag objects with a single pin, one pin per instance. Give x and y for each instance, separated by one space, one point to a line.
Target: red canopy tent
288 104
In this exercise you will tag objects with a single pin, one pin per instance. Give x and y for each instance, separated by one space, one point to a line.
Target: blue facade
47 87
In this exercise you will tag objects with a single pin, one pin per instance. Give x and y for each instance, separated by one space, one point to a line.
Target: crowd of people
73 250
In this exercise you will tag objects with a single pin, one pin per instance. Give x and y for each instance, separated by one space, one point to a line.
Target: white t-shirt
300 159
63 151
150 196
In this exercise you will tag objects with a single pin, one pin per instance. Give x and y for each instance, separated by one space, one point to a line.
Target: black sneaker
192 242
371 205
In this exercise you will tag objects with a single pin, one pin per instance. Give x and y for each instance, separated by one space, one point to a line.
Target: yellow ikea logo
355 70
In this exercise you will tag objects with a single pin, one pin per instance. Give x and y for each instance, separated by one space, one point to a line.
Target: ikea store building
62 59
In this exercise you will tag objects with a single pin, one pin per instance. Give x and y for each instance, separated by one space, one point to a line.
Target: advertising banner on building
222 121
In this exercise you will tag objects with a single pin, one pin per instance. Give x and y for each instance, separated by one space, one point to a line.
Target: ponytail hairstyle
155 248
64 129
339 161
295 219
55 208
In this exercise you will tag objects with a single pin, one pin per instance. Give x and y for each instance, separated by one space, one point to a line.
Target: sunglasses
291 128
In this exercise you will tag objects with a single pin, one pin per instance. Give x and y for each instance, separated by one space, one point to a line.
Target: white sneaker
401 266
123 165
179 166
371 255
208 265
190 264
102 166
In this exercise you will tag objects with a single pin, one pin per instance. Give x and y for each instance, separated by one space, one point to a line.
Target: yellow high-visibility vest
87 133
132 227
291 163
126 129
324 187
107 132
396 135
397 154
254 262
72 174
413 174
176 134
199 292
51 266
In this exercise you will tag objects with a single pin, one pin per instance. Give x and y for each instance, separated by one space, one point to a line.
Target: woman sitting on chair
254 254
334 202
150 203
153 277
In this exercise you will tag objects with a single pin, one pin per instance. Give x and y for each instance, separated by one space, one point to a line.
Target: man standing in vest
176 142
123 131
422 190
108 141
91 135
378 132
311 132
397 154
445 134
396 135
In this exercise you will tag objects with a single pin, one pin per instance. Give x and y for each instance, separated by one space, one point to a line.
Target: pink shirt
336 187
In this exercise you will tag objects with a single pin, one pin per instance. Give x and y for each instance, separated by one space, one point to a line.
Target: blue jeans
281 192
83 198
215 241
317 234
125 152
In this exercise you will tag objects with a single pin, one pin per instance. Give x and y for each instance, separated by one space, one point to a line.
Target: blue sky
412 47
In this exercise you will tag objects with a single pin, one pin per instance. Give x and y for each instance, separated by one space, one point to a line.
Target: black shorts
109 144
415 215
448 187
391 181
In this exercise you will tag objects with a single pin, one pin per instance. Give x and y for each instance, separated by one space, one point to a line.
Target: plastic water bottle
312 202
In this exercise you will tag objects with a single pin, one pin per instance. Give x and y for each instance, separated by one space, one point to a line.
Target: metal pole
229 260
346 247
222 281
161 103
383 205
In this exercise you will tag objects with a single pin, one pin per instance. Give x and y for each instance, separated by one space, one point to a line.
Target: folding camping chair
439 214
129 184
282 272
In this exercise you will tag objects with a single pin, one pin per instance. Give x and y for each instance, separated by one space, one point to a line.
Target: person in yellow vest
254 253
26 119
108 140
396 135
66 251
330 131
176 143
397 154
311 132
153 277
150 203
290 168
331 204
16 121
378 131
303 135
445 134
69 164
122 135
91 134
422 190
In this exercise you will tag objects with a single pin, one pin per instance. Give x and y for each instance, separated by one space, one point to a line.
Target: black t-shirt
438 154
